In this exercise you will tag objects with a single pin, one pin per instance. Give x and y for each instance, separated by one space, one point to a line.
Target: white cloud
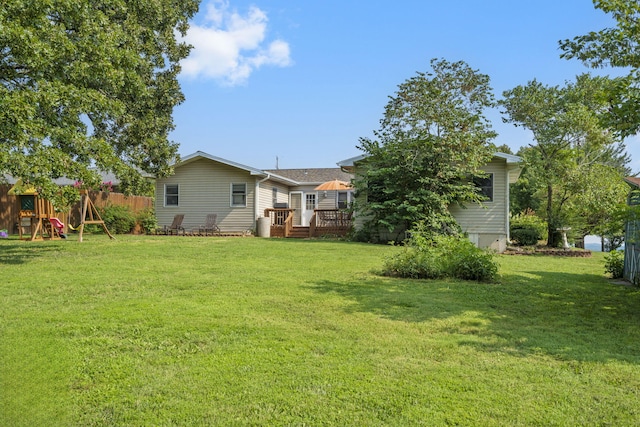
228 46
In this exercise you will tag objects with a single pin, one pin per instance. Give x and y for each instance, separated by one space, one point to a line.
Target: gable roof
252 171
202 155
310 176
313 176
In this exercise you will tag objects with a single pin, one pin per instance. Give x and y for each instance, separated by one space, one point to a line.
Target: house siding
266 195
204 188
487 223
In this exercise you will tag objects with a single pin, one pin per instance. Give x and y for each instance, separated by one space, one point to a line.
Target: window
486 186
274 196
311 202
239 195
171 194
343 199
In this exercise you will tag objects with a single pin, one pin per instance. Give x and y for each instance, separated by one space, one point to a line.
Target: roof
310 176
253 171
510 158
313 176
633 181
106 177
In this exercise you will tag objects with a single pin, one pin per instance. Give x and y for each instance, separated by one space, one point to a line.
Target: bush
147 220
441 256
526 228
525 236
118 219
614 264
414 263
469 262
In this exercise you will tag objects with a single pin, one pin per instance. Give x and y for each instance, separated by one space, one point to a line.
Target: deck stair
299 233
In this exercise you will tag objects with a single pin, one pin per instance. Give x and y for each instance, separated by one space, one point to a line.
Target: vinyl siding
266 195
490 217
204 188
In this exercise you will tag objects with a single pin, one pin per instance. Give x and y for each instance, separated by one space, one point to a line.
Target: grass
171 331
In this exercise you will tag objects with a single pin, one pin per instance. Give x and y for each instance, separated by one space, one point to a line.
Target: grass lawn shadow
22 252
580 317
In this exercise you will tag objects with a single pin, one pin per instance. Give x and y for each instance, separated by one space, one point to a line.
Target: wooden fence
10 206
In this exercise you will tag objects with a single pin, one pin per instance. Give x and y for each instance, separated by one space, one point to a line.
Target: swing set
41 216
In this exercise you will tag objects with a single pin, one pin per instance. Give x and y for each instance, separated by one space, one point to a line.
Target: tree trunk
553 235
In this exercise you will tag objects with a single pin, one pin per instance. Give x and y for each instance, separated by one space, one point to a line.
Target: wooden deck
324 222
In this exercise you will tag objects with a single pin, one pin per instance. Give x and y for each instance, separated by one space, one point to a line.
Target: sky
295 84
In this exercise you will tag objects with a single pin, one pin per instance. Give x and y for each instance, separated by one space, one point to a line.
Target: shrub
468 262
526 228
414 263
441 256
525 236
614 264
118 219
147 220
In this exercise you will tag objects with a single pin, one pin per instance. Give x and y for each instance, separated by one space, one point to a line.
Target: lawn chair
210 226
175 226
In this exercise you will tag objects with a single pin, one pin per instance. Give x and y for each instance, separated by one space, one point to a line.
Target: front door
295 202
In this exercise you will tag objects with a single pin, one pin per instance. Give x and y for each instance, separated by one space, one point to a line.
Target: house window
343 199
274 196
311 202
485 184
171 194
239 195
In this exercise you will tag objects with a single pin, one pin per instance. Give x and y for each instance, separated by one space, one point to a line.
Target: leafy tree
433 138
570 146
88 85
524 195
615 47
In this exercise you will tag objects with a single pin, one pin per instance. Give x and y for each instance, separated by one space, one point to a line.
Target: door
295 203
309 206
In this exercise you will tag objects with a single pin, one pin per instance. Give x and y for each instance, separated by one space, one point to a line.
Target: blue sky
302 81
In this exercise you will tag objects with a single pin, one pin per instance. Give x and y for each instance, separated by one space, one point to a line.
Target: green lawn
178 331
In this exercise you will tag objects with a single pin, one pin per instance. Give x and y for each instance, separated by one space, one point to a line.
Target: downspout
256 202
506 206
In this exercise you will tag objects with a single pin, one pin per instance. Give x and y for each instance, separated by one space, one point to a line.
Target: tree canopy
572 154
433 139
89 85
615 47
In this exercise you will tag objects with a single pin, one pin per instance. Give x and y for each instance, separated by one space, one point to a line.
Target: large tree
615 47
433 139
570 145
89 85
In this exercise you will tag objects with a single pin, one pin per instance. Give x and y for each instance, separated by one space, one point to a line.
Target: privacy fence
10 207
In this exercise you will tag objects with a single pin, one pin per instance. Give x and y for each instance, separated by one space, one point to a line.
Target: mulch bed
574 253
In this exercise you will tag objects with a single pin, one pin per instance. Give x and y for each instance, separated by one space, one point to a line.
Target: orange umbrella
335 185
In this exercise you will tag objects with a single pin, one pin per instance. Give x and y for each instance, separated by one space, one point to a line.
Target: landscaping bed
572 253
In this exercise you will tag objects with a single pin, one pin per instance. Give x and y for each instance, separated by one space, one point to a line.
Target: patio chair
210 226
175 226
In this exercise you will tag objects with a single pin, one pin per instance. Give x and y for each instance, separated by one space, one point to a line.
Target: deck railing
281 221
336 222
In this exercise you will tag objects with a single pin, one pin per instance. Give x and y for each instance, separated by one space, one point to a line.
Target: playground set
39 216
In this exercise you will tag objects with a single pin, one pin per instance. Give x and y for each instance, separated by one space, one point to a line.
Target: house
632 234
487 225
241 194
